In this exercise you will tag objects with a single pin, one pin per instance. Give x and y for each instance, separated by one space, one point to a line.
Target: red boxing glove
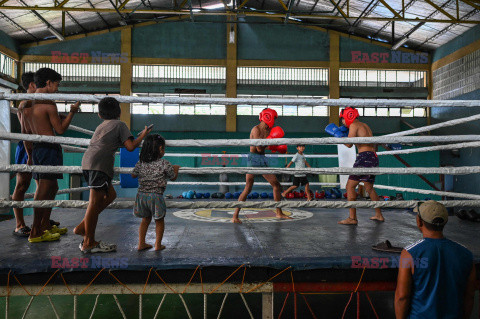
273 148
282 149
276 132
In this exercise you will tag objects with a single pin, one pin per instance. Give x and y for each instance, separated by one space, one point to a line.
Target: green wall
180 40
8 41
282 42
106 42
457 43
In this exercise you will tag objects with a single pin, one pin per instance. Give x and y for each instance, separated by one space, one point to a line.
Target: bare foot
378 219
236 221
348 221
76 231
162 247
283 216
144 247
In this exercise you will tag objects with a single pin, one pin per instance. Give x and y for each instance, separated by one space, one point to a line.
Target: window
8 66
283 110
282 76
392 111
80 71
186 109
179 74
383 78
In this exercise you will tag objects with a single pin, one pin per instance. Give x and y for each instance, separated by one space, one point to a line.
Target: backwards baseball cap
431 211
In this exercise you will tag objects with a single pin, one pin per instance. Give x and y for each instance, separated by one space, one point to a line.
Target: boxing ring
272 267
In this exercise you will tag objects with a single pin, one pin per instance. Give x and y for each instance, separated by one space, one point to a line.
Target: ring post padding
128 159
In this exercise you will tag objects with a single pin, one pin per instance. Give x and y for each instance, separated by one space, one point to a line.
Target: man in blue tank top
436 276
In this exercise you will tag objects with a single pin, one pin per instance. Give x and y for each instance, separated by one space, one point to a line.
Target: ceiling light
56 33
399 43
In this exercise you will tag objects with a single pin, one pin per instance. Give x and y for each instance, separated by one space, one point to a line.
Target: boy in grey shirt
97 166
299 179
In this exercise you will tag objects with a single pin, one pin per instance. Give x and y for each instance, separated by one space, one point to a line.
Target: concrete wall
459 42
8 41
106 42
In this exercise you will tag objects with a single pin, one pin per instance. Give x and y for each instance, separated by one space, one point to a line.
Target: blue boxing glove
344 129
335 131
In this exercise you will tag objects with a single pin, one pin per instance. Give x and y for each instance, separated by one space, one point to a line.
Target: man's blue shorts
47 154
21 156
257 160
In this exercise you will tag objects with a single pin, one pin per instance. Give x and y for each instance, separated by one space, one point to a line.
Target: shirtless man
45 120
23 155
366 157
257 158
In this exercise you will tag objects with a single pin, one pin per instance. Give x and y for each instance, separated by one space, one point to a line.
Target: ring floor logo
224 215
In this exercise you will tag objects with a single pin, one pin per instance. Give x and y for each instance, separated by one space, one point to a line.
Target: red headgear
268 116
349 114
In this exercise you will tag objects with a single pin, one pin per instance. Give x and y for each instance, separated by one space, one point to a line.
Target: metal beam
61 4
75 21
118 12
283 5
290 4
395 13
230 12
242 4
123 4
446 29
42 19
340 10
471 4
100 16
18 26
405 8
440 9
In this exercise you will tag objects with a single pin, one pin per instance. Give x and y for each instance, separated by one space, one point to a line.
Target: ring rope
72 127
235 204
428 192
257 142
69 190
436 126
460 170
236 101
431 148
395 188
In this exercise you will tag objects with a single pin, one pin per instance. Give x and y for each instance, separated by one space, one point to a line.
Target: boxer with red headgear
268 116
257 158
366 157
349 114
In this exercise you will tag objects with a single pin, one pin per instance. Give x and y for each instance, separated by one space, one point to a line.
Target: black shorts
97 180
297 181
47 154
365 159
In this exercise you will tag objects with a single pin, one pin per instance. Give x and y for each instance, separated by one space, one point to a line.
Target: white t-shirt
299 160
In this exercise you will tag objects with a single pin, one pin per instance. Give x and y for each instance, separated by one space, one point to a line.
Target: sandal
47 236
22 232
54 223
100 248
387 247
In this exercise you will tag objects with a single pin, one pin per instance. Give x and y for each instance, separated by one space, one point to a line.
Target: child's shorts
150 205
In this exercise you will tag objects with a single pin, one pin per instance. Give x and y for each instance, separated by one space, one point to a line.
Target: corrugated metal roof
24 25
